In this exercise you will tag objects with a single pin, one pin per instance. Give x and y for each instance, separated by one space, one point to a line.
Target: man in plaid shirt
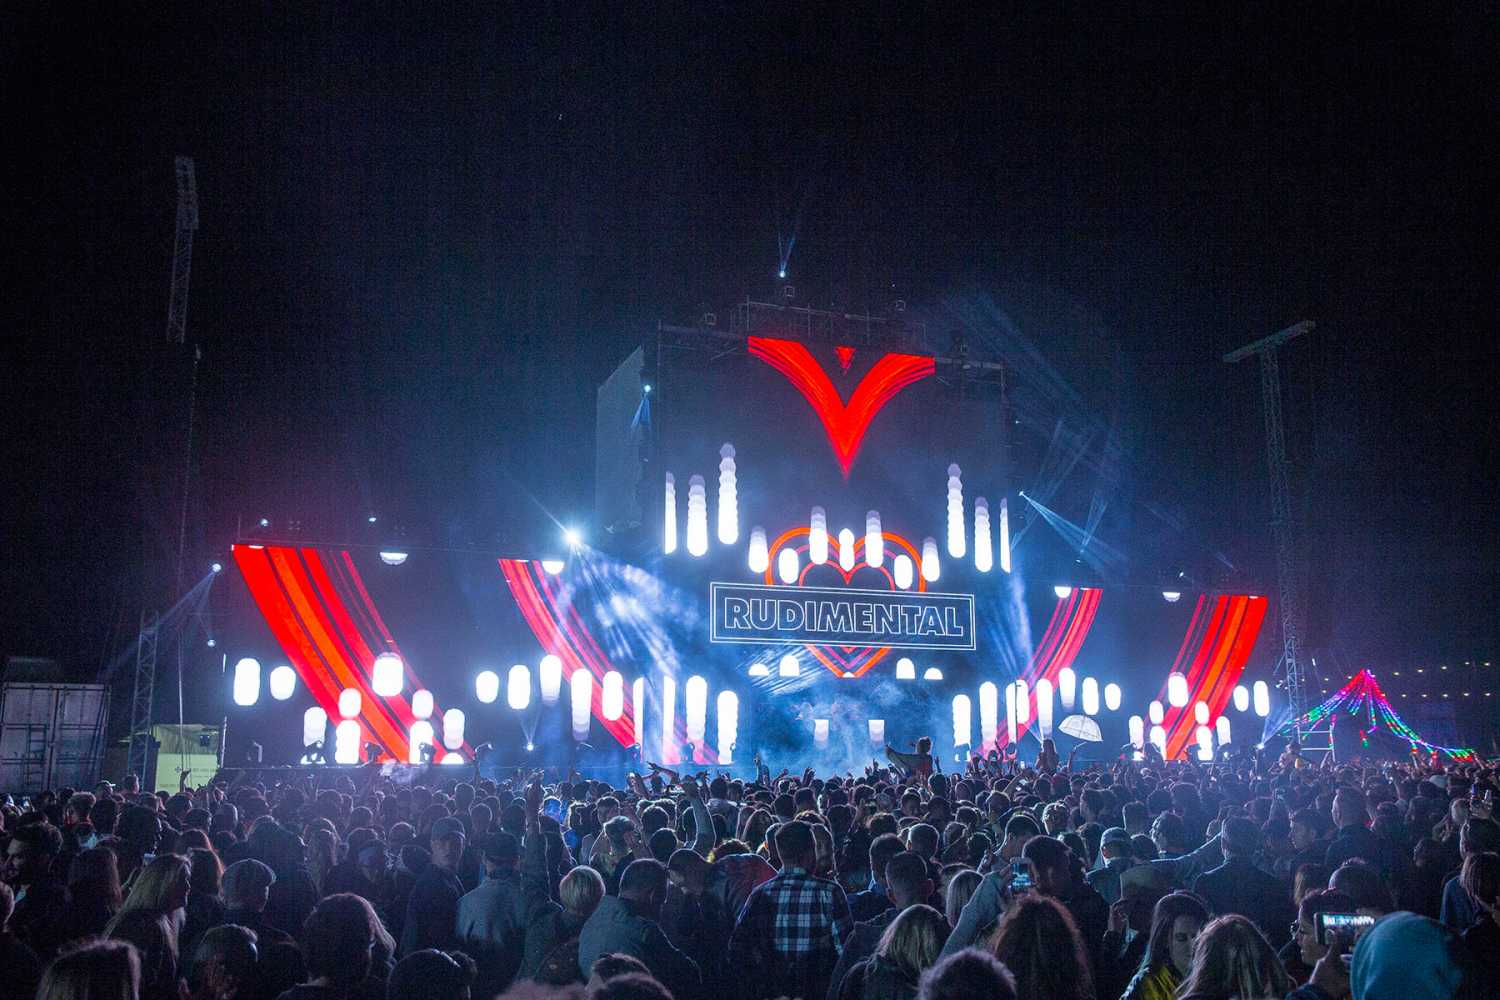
793 927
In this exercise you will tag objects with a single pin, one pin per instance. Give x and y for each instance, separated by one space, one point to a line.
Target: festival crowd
1136 880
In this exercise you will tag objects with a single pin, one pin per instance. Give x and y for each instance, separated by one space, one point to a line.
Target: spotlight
572 537
265 522
530 746
646 388
212 642
1171 596
217 567
372 519
1062 592
781 274
392 558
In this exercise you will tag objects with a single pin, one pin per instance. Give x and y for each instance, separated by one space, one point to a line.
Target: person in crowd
706 898
873 900
792 929
611 966
960 890
1303 952
1233 960
93 970
1362 883
94 894
968 972
908 884
1353 838
432 975
40 896
1480 879
1475 836
1039 943
1114 850
293 894
205 902
20 969
629 924
432 908
338 945
155 940
1175 924
1238 886
246 887
908 947
222 965
161 889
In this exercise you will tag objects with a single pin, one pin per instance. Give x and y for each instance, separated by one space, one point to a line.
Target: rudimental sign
840 616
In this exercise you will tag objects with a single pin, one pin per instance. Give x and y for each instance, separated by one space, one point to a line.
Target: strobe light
1262 697
549 678
387 675
1156 713
1067 688
581 690
612 697
876 728
669 515
1112 697
697 517
874 540
1090 696
1044 707
817 537
729 507
930 566
247 682
695 708
392 557
786 565
729 725
349 705
487 686
901 571
1177 690
963 723
956 546
421 703
1241 698
760 558
846 550
283 682
984 554
421 735
518 687
906 670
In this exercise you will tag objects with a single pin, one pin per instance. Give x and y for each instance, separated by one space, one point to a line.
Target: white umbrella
1081 727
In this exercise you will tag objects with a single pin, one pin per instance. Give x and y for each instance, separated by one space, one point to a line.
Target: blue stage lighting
646 388
529 746
217 567
781 273
573 537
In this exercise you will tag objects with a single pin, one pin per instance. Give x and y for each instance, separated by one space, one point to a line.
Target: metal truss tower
1288 567
182 249
141 701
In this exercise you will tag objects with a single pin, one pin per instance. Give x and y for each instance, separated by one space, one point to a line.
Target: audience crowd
1130 881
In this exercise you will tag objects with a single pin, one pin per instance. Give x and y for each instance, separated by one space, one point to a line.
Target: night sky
425 239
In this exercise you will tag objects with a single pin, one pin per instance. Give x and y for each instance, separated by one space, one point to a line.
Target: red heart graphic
845 423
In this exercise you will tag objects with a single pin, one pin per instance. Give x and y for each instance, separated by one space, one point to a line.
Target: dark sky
425 238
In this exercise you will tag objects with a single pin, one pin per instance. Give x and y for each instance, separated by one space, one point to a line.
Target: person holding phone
1308 945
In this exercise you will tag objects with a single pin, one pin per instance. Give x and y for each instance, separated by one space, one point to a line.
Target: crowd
1128 881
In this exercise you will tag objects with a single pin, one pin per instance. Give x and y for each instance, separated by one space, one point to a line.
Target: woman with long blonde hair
1233 959
322 855
94 970
161 887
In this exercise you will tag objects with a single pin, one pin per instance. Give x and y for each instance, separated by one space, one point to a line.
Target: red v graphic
845 423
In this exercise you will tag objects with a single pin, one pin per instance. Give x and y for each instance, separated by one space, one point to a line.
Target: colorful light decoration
906 670
283 682
1023 702
1067 687
518 687
1241 698
729 508
729 725
901 571
930 567
421 704
486 686
984 554
1261 693
787 567
989 712
1044 706
1004 534
817 537
697 516
1156 713
962 720
760 557
1112 697
874 540
549 678
846 550
956 543
612 697
669 512
1090 696
1363 697
1177 690
247 682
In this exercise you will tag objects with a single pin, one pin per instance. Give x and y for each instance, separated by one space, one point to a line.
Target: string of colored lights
1363 695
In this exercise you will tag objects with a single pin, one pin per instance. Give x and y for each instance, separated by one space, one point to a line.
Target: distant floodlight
421 703
759 670
874 540
572 537
1112 697
759 557
552 567
349 703
1200 712
518 687
1262 698
487 686
695 708
581 692
786 565
1221 729
906 670
1156 713
549 678
1241 698
247 682
930 565
729 725
1044 707
932 674
876 729
421 732
901 571
346 740
391 557
612 698
1067 687
1177 690
1171 596
283 682
387 675
1137 728
453 728
790 666
314 726
817 537
1062 591
962 721
1090 696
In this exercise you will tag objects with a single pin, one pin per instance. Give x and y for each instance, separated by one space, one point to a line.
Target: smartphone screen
1021 880
1349 925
